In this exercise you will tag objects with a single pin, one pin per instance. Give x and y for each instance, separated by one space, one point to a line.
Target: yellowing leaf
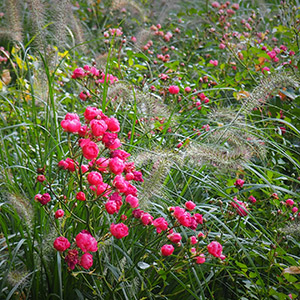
242 95
291 270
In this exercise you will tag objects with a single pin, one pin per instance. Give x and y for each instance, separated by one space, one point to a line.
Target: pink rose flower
167 250
80 196
43 199
173 89
59 214
193 240
175 237
113 124
91 113
61 243
215 249
289 202
146 219
86 242
190 205
200 259
98 127
71 123
160 224
119 230
116 165
252 199
111 207
78 73
90 149
94 178
86 260
239 183
132 201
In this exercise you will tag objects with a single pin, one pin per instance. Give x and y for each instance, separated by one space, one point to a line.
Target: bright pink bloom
111 207
146 219
185 219
40 178
84 95
222 46
215 249
215 4
111 140
71 123
272 54
160 224
214 62
90 149
86 242
91 113
167 250
113 124
98 127
78 73
61 243
119 230
59 214
190 205
132 201
198 218
252 199
187 89
94 178
80 196
43 199
101 188
102 164
86 260
294 209
289 202
173 89
175 237
239 183
178 212
120 183
193 240
200 259
116 165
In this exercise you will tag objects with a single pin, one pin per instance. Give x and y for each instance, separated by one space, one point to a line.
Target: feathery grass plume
101 61
18 277
225 115
38 21
78 31
292 229
149 106
220 157
22 207
142 37
268 86
133 6
160 161
238 136
61 12
14 19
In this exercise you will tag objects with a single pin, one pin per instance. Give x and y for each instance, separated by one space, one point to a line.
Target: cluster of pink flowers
85 242
88 72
